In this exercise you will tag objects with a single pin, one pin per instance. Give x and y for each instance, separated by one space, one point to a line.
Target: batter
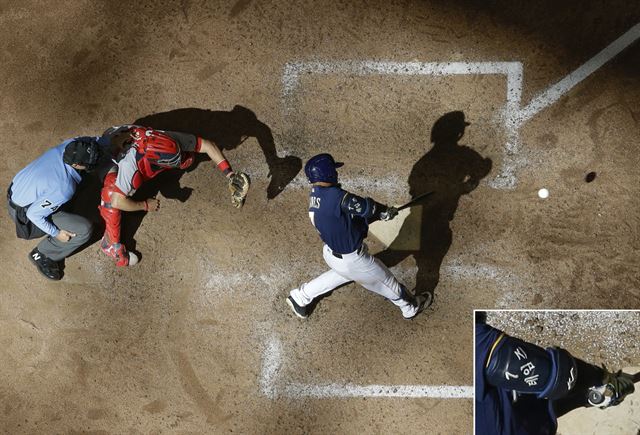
342 220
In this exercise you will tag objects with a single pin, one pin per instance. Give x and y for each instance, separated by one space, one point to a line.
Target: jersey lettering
358 206
572 378
314 202
532 380
509 376
355 205
520 353
45 204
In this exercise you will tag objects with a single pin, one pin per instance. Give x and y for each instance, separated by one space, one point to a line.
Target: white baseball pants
362 268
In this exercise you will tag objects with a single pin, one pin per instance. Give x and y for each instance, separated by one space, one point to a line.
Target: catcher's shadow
449 170
227 129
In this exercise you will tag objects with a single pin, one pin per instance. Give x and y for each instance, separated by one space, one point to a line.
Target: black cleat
297 309
421 302
45 265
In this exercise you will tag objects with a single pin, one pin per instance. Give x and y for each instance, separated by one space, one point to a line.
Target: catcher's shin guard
110 243
117 251
112 216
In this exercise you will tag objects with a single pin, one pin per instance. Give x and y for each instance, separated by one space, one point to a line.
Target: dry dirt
178 343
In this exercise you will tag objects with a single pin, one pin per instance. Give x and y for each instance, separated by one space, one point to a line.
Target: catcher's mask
322 168
83 151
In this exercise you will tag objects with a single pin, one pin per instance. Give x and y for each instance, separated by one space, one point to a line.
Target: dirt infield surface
197 338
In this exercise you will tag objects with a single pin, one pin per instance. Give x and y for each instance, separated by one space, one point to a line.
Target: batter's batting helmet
322 168
83 151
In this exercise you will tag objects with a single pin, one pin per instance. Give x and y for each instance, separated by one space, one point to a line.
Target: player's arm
39 213
215 154
116 190
190 143
124 203
239 182
365 208
514 364
553 373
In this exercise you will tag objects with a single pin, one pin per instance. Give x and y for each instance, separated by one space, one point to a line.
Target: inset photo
557 372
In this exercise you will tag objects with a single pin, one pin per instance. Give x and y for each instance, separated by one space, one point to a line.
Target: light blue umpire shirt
45 185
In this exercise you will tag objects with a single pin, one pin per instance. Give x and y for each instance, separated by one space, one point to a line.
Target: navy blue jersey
496 414
341 218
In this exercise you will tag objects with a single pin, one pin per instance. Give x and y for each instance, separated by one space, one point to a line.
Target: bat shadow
450 170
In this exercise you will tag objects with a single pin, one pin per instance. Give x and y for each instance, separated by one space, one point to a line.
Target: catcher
145 153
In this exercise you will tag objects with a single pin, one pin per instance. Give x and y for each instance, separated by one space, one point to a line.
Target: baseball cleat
421 302
297 309
133 259
45 265
119 252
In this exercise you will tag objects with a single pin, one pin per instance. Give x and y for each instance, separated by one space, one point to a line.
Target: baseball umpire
522 388
37 195
343 219
147 152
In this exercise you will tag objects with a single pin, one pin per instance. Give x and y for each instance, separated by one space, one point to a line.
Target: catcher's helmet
83 151
322 168
157 148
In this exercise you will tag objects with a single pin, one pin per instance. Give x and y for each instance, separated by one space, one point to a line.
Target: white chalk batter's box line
512 70
272 363
273 359
513 116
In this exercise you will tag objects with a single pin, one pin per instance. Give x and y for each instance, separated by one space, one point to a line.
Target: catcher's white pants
362 268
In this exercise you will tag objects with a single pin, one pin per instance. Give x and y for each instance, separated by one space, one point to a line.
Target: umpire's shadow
227 129
450 170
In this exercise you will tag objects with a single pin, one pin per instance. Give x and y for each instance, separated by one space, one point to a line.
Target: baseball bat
415 200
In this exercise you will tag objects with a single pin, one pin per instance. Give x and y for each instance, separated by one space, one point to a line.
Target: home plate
387 232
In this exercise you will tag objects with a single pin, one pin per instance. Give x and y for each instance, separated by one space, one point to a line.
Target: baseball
543 193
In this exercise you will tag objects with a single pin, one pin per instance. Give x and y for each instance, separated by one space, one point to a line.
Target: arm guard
365 208
519 366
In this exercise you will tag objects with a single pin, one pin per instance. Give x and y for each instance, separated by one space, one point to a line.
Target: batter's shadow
227 129
450 170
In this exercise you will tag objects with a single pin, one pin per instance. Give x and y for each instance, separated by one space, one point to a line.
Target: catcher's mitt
239 184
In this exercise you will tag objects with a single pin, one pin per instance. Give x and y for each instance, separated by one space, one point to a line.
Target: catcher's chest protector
155 152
